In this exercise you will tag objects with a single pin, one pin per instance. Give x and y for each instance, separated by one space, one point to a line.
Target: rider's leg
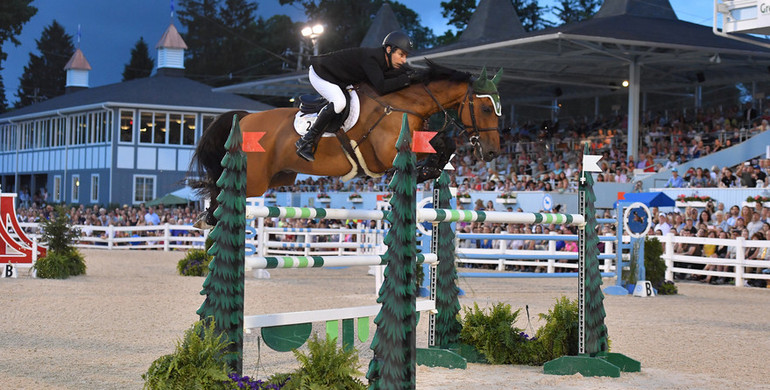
432 166
307 144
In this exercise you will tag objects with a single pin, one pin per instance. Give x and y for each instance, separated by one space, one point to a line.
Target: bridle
473 132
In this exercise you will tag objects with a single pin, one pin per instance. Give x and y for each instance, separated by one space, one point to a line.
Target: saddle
309 105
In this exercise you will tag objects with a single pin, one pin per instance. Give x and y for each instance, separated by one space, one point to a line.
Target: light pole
313 33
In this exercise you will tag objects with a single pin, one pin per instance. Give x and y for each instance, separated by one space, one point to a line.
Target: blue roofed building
124 143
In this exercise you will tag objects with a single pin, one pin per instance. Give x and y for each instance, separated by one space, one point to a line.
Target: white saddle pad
303 122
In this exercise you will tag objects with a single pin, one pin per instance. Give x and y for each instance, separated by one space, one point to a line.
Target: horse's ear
498 76
483 75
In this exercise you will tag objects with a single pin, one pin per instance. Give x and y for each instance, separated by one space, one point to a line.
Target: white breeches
328 90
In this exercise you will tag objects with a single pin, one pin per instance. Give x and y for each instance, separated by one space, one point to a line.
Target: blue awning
650 199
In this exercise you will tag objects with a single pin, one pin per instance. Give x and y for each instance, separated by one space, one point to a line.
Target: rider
383 67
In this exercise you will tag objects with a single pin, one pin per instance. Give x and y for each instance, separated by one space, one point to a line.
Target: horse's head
481 118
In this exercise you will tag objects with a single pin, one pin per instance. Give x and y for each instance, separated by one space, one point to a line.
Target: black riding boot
306 146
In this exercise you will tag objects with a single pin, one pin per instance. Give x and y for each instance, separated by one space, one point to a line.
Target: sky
111 28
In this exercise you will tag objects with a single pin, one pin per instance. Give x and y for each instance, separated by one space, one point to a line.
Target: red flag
421 142
621 195
251 141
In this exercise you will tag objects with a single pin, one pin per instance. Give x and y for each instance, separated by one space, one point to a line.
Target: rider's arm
382 84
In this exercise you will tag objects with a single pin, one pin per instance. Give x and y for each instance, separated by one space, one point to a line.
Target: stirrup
302 145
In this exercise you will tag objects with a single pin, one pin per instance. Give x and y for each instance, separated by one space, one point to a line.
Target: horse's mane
440 72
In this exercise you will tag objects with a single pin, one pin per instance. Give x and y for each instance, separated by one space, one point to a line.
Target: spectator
755 225
662 224
151 218
675 181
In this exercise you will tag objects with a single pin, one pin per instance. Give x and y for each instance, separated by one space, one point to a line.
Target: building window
159 136
146 124
75 188
126 126
144 188
57 189
95 188
188 126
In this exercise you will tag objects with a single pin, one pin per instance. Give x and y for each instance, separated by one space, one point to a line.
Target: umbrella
168 200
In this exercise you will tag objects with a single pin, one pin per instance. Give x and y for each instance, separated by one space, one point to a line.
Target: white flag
590 163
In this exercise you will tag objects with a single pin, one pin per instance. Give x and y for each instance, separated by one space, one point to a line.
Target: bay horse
374 135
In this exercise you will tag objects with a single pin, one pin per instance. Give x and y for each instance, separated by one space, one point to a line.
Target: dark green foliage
58 233
223 286
559 335
60 264
571 11
448 306
53 266
195 263
655 267
76 264
141 64
62 259
13 15
44 75
325 366
394 363
668 288
492 334
198 362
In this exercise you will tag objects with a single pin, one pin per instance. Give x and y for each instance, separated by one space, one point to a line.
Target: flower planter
690 204
324 200
754 204
464 200
505 200
355 200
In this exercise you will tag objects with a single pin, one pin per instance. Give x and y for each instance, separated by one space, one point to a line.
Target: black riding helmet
398 40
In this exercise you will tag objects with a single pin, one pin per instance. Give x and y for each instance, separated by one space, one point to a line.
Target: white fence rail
737 268
360 242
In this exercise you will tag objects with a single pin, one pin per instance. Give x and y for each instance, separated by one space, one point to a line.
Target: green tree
203 37
394 363
570 11
141 64
223 286
229 44
44 75
459 13
13 15
530 14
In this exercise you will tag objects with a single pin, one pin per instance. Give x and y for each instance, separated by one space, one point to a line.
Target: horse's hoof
204 222
201 224
427 173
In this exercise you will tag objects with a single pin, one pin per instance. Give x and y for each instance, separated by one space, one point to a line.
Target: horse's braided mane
440 72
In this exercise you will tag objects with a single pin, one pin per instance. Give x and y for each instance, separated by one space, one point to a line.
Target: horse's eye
486 109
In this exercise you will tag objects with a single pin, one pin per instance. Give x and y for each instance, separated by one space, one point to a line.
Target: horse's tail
206 164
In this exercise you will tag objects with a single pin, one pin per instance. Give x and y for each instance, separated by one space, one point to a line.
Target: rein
472 132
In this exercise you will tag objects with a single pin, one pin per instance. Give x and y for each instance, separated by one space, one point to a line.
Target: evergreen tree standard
394 363
224 284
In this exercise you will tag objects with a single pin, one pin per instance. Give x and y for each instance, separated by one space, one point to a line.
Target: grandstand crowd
546 157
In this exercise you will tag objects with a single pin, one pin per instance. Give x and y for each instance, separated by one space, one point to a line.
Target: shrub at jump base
655 267
494 335
559 335
325 366
197 362
62 259
195 263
